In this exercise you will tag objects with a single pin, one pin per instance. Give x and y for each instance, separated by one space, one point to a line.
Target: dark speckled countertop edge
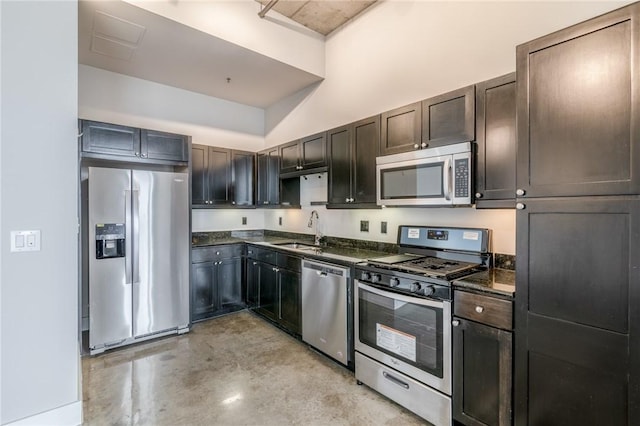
493 281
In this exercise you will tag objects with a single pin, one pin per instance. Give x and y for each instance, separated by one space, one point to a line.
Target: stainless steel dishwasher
324 308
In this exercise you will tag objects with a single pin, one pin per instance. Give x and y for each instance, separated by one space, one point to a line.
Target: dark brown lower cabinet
216 286
482 359
577 346
482 366
274 289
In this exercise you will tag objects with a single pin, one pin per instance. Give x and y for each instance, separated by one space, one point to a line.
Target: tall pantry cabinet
577 339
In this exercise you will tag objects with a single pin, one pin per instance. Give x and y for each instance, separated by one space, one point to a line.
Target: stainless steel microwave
439 176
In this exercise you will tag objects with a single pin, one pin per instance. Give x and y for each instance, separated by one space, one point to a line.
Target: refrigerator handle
136 235
128 235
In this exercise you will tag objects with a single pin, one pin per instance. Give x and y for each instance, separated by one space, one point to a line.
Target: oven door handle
402 297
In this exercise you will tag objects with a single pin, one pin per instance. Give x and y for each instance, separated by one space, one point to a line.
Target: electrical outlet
383 227
244 220
364 226
280 220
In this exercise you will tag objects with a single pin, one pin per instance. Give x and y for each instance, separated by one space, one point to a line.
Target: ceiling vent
115 37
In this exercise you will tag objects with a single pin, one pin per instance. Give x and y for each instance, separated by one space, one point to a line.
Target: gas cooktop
423 265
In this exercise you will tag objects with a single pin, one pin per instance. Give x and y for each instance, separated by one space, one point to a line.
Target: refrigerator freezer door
161 243
109 279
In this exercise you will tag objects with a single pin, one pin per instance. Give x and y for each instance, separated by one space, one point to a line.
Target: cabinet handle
520 206
520 192
424 144
351 200
143 155
233 202
137 154
265 202
250 251
416 146
346 200
217 253
255 263
479 309
478 195
455 323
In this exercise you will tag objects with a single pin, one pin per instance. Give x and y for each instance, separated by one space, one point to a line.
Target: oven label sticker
413 233
396 341
470 236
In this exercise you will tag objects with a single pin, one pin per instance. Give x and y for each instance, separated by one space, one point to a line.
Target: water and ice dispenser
110 238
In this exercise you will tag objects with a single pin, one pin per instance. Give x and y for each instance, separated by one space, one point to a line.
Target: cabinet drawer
286 261
484 309
262 254
212 253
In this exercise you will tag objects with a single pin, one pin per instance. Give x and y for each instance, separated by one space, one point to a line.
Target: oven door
409 334
423 181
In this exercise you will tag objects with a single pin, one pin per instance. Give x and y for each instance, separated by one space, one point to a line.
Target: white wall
38 177
238 22
117 98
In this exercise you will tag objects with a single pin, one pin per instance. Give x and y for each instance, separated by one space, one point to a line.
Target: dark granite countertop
495 280
352 251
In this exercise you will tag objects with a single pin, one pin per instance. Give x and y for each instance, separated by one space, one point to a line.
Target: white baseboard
67 415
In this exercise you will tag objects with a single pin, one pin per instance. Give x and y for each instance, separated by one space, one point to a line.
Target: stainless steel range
403 316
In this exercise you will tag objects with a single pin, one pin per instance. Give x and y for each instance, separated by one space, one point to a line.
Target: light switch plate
364 226
383 227
244 220
280 220
25 241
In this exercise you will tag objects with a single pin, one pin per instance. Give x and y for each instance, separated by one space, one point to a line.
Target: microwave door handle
448 178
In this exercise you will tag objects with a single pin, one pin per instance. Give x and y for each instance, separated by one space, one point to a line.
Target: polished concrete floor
232 370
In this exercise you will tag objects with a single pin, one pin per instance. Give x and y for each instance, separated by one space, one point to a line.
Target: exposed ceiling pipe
267 8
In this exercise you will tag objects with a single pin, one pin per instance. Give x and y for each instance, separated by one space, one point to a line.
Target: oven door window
414 181
407 331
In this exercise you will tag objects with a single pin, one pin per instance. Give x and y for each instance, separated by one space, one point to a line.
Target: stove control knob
429 290
375 278
415 287
365 276
394 282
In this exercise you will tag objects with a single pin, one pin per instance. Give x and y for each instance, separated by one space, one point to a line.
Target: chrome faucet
318 235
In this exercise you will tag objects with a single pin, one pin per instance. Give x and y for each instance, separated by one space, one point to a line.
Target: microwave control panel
461 177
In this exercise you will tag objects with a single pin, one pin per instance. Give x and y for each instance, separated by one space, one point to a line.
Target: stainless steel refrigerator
139 242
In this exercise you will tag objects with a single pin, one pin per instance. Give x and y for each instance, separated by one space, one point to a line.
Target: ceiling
320 16
119 37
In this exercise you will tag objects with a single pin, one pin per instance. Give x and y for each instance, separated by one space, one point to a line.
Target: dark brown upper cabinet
578 103
449 118
307 155
268 178
352 164
496 142
221 177
113 141
401 129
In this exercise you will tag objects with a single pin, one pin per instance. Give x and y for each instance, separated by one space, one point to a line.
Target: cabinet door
290 157
267 291
578 103
340 164
578 311
313 151
449 118
496 137
401 129
103 138
164 146
253 277
203 300
290 317
199 175
366 139
268 177
229 282
482 374
219 170
243 177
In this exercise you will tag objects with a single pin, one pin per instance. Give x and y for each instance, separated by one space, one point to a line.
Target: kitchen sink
299 246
